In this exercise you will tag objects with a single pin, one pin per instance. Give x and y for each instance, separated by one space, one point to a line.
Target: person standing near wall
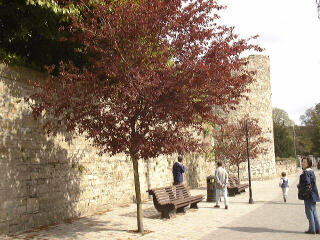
308 192
221 182
177 171
318 166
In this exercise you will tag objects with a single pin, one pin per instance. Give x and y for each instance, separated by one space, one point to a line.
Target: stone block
45 204
32 205
8 204
30 223
3 215
22 191
16 227
34 175
4 227
4 195
42 189
40 219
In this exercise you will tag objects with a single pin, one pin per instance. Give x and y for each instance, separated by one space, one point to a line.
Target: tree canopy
280 116
230 142
283 133
283 141
304 143
30 33
311 120
155 71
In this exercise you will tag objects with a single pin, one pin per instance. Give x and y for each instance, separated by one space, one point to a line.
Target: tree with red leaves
155 71
230 142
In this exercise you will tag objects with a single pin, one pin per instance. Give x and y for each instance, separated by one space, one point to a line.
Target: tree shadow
39 179
280 202
150 213
258 230
272 203
77 230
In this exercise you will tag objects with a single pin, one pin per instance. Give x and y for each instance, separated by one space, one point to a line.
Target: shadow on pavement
151 213
258 230
270 202
74 230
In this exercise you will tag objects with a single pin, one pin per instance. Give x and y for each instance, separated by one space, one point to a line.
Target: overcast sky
290 32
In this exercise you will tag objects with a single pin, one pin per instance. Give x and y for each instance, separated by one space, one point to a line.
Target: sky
289 32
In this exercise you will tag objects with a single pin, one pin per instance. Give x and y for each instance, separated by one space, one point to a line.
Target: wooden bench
235 187
172 199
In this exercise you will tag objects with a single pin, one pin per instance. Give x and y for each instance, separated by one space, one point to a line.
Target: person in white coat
221 183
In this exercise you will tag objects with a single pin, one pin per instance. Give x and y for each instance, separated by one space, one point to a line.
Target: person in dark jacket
177 171
308 177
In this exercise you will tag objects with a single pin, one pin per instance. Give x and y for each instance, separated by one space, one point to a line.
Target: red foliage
230 142
155 71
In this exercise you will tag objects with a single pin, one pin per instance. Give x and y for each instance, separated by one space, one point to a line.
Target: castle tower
259 106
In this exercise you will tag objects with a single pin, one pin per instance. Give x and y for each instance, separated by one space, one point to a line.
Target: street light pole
249 170
318 7
294 142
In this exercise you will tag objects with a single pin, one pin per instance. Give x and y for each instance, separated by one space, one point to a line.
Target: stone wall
258 106
287 166
44 180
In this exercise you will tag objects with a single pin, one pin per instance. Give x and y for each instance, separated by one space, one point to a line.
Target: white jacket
221 178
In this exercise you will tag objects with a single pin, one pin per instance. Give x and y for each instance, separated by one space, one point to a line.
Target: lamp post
318 7
294 142
249 171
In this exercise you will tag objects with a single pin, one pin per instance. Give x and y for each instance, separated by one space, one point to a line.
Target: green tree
30 33
283 133
311 120
280 116
304 144
283 141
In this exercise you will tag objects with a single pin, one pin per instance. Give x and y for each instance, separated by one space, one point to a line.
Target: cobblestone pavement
267 218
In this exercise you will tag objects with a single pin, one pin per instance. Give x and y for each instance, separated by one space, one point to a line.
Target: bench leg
167 214
194 205
181 210
232 192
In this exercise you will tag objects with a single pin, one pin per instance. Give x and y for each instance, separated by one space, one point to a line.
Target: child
284 184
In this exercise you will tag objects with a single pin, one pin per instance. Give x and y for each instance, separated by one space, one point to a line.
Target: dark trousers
177 183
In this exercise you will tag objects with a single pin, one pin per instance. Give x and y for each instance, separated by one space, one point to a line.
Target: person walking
221 183
177 171
308 181
284 184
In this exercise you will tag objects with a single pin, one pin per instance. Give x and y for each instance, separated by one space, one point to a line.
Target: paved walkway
267 218
273 220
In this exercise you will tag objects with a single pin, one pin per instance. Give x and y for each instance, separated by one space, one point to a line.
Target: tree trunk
138 193
238 165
